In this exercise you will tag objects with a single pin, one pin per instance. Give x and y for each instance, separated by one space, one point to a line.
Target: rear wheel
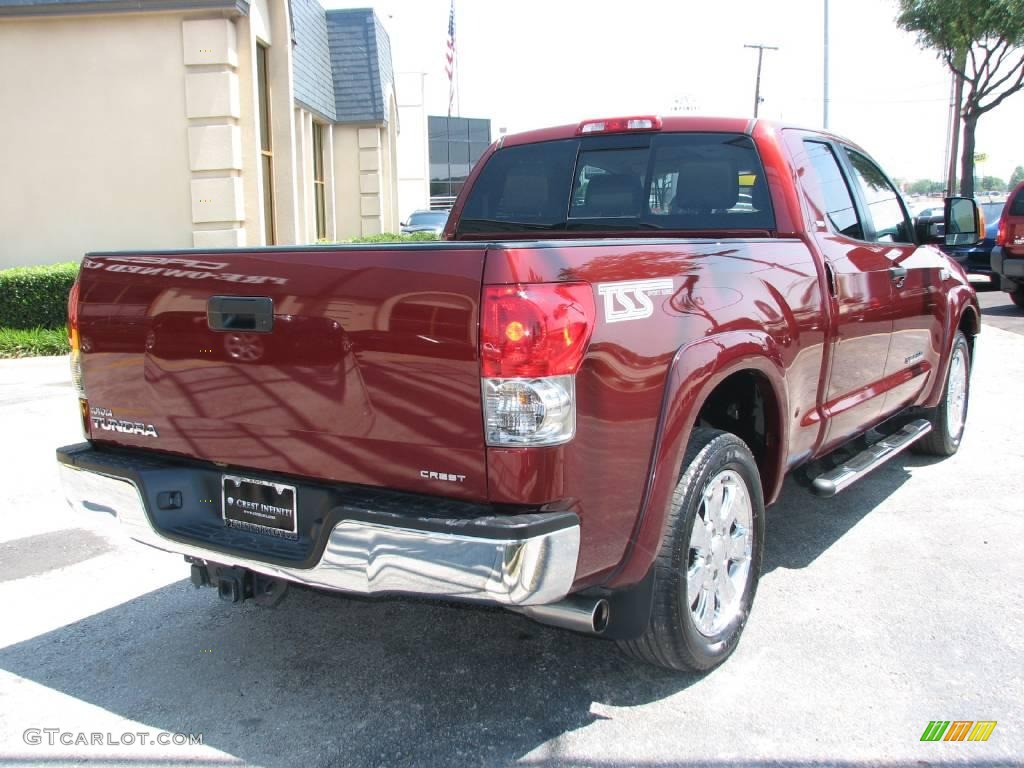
950 417
707 570
1017 296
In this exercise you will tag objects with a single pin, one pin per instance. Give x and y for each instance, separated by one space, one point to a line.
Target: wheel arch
737 362
963 314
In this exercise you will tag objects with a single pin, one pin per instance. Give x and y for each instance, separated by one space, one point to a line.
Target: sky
535 63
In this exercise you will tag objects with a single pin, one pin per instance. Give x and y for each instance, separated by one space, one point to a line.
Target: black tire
672 638
1017 296
942 441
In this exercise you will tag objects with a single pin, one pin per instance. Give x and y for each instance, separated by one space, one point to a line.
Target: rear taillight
1001 233
532 340
75 340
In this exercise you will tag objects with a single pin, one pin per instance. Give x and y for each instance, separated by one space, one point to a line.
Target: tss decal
631 299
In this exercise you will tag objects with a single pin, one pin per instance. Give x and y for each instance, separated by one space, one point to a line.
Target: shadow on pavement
330 681
324 680
800 526
1002 310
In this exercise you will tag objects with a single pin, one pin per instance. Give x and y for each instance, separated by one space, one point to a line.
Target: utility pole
757 85
824 120
954 123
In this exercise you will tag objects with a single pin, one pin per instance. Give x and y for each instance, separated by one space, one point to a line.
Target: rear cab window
699 182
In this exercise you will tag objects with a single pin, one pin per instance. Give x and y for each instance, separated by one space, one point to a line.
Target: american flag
450 58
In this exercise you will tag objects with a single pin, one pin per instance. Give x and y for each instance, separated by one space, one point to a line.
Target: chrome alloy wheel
956 394
721 544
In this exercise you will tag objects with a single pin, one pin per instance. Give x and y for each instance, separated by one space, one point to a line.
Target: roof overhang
94 7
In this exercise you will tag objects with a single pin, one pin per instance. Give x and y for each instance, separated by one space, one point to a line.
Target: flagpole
458 82
451 57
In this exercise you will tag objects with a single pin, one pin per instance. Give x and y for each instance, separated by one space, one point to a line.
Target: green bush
390 237
36 297
33 342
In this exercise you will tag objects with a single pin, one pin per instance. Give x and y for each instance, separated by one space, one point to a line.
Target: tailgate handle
240 313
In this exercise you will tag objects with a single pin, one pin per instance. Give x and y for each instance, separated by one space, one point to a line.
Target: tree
925 187
991 184
1016 177
981 43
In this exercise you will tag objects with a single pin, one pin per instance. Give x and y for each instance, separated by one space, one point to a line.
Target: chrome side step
846 474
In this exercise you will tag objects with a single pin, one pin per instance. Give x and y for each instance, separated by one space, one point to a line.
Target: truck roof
695 123
671 123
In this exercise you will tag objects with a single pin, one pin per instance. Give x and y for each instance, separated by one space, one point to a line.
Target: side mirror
930 229
402 224
965 223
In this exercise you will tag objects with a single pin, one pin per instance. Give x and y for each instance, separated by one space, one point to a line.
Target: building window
266 151
455 144
318 181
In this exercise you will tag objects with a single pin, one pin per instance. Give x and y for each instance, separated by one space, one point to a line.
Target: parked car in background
975 259
425 221
1008 252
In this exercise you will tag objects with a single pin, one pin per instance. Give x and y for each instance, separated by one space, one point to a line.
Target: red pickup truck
576 405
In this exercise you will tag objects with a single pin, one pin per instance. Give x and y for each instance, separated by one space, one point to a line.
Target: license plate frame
260 506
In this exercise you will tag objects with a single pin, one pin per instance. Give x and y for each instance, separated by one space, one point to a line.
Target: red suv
1008 254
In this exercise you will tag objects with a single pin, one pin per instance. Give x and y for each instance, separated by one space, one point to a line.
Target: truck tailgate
352 364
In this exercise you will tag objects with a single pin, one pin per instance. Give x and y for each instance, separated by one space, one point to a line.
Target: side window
884 206
839 207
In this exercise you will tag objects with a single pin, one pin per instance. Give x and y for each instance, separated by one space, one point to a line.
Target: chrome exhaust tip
580 614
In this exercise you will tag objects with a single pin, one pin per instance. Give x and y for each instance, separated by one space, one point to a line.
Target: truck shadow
324 680
800 526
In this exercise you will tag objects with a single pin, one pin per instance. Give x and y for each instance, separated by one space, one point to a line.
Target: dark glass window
440 171
480 130
885 208
458 129
1017 206
438 151
319 196
609 184
458 152
266 150
839 207
437 128
708 181
674 181
522 188
455 144
476 149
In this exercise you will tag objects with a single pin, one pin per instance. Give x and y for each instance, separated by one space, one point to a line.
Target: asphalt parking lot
895 604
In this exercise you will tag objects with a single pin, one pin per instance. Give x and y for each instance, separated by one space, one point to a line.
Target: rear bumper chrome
370 558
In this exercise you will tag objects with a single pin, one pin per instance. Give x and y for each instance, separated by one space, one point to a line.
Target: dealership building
133 124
